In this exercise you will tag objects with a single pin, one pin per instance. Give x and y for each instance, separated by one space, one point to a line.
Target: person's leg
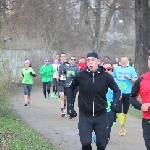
48 89
125 108
54 88
25 93
29 86
114 122
121 117
61 94
101 131
146 132
110 120
85 132
65 98
44 89
119 114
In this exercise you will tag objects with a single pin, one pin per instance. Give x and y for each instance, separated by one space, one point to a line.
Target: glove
113 107
71 112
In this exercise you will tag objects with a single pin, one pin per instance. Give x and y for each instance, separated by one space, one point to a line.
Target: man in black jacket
93 84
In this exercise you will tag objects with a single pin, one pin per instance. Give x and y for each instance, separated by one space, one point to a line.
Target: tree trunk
97 26
142 24
110 14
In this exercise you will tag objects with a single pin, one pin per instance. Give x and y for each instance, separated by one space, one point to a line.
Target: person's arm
32 73
117 92
41 71
113 85
133 75
52 71
135 93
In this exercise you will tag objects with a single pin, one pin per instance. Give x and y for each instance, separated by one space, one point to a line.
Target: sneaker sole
122 134
62 115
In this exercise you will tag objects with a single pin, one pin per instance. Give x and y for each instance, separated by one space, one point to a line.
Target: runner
82 64
61 83
142 87
93 83
71 71
110 98
56 57
27 82
55 67
125 75
46 72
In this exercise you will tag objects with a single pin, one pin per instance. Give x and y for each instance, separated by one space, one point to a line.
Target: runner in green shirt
46 72
27 81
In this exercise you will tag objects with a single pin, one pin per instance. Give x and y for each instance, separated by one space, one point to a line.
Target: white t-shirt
55 67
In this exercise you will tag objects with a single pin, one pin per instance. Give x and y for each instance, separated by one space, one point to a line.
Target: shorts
54 82
62 89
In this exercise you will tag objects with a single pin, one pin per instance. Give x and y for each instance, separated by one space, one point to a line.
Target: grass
16 135
134 112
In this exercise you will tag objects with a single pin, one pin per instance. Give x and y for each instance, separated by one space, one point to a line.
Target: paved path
63 132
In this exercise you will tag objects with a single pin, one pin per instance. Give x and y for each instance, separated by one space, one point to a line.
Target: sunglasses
108 69
73 59
46 61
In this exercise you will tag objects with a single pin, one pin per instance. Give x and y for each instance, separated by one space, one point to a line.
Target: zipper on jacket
93 94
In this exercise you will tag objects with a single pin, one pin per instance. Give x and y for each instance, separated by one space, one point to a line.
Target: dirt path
63 132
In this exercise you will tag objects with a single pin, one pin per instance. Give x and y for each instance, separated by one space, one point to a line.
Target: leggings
27 88
124 103
48 85
86 126
146 132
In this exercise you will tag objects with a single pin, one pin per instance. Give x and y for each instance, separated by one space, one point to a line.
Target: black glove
113 107
71 111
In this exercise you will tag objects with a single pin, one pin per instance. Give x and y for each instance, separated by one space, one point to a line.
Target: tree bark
107 24
142 24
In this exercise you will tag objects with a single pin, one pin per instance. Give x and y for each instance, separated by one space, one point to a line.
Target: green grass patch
16 135
134 112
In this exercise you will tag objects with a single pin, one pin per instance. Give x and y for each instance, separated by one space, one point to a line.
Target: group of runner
69 77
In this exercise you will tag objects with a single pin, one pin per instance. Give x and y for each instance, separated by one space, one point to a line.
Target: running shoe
53 95
45 99
28 103
122 132
62 113
64 109
48 98
70 117
114 124
25 104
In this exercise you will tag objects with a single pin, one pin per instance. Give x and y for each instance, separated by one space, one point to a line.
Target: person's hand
113 107
145 106
127 76
69 72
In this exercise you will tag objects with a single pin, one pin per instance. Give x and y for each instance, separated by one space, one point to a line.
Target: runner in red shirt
82 64
142 87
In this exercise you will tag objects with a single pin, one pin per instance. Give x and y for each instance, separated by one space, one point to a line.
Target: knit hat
92 54
27 61
46 59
